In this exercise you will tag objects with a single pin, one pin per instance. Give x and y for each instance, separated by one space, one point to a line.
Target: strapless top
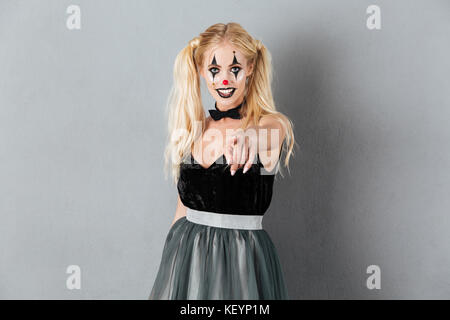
214 189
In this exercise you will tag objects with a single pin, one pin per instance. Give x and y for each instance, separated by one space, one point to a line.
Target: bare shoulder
208 121
271 121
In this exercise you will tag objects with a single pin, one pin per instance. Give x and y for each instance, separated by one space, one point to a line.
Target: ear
250 69
202 70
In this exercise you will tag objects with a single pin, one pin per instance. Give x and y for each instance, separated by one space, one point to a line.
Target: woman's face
225 70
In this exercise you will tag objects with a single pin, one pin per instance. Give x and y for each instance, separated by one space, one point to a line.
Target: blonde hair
186 117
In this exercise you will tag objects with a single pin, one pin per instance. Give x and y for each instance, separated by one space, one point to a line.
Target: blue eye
214 72
234 69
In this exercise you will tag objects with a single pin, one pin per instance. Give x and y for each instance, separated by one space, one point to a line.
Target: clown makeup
225 71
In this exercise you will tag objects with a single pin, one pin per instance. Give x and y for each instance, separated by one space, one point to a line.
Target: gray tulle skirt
201 262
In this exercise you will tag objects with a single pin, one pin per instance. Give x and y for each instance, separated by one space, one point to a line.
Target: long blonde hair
186 117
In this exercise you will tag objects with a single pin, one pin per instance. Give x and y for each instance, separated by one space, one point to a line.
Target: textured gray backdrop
82 134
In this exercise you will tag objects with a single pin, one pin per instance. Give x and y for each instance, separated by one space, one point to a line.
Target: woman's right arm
180 212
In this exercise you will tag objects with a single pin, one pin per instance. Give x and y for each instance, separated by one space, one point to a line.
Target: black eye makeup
234 59
214 63
215 70
236 70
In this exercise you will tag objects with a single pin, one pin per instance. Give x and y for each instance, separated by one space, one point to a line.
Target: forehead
224 54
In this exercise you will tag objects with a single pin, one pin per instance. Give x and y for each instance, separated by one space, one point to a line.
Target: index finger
229 149
251 157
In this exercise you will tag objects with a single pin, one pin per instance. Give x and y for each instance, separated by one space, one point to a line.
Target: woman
216 247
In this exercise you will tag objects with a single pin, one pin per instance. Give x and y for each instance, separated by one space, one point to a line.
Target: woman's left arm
270 135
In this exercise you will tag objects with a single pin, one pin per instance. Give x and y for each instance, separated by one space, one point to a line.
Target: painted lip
225 95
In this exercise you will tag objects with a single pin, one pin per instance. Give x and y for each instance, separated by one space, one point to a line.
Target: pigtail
260 98
184 109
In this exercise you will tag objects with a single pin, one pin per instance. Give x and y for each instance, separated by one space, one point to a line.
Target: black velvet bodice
214 189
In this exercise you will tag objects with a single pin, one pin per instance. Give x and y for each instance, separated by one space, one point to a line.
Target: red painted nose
225 82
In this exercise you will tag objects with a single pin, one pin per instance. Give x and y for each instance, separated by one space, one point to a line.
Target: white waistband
221 220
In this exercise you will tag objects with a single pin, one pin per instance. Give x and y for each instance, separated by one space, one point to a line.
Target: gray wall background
82 133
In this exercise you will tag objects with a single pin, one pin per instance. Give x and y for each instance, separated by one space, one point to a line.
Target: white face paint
225 71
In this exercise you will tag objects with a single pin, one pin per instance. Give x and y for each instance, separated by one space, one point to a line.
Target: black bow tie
232 113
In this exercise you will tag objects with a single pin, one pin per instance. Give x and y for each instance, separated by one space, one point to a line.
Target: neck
224 108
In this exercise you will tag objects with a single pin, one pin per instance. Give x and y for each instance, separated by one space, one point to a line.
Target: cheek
210 78
209 83
240 80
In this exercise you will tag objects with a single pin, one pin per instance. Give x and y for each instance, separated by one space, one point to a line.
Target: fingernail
245 170
233 172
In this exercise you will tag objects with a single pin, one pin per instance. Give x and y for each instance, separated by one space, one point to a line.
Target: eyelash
218 69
